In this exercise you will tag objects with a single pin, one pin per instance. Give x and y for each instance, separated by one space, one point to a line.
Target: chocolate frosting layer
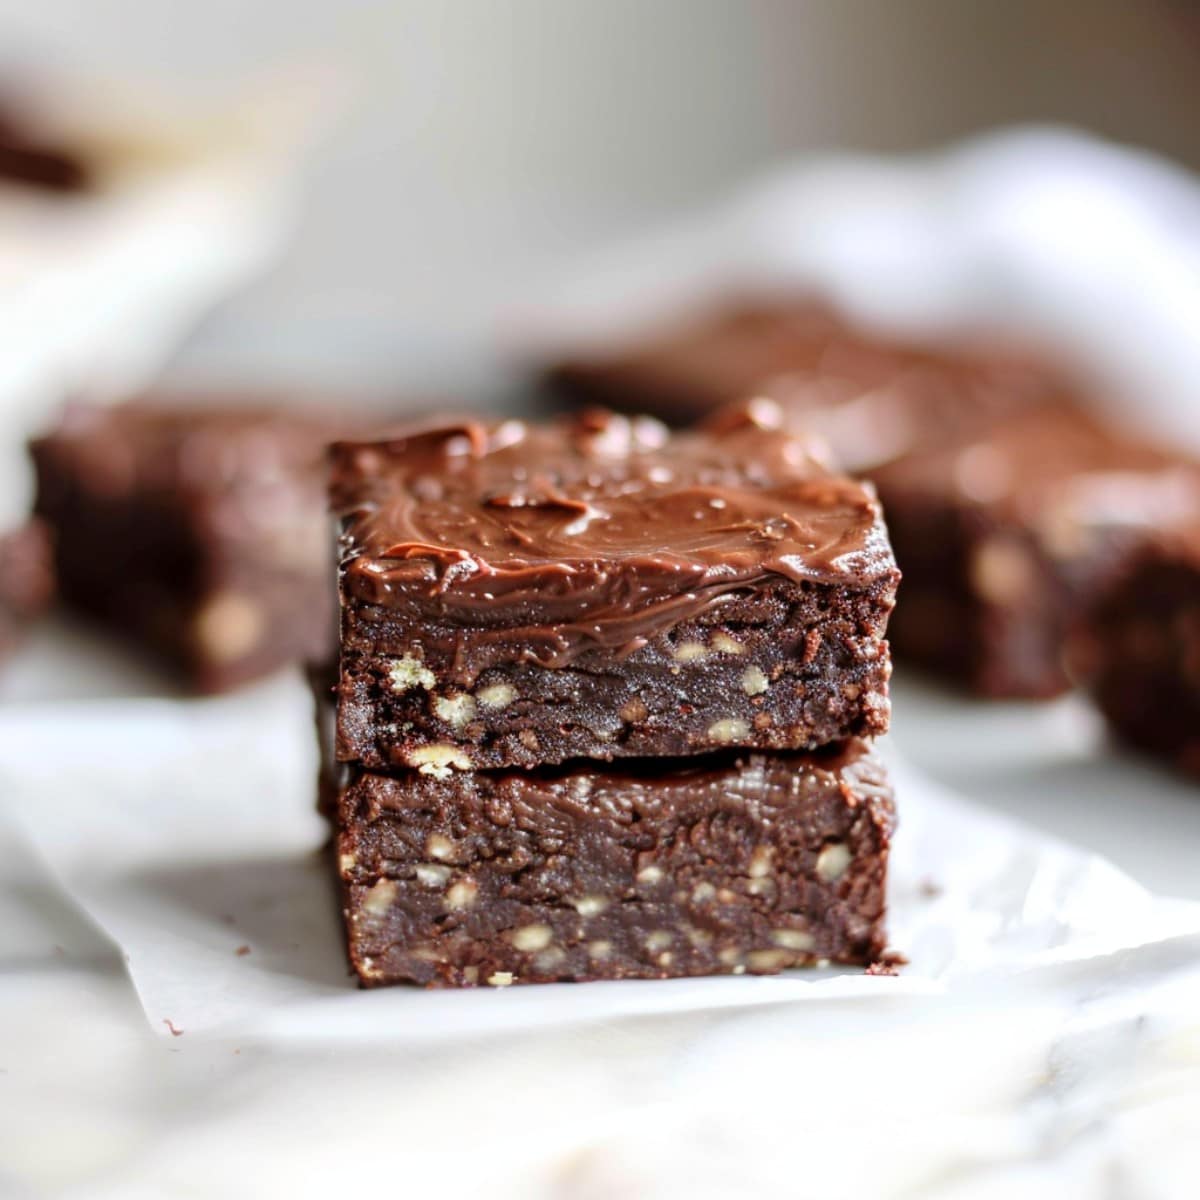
602 529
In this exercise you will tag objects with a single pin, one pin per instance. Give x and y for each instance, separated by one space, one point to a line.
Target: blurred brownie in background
30 156
688 370
26 580
196 529
1139 651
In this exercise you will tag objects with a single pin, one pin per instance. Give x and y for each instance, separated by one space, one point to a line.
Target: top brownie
514 595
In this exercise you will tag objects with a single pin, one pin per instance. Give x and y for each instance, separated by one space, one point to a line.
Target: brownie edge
1139 650
731 864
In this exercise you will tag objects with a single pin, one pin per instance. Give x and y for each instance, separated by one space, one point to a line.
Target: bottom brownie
26 580
1140 651
726 865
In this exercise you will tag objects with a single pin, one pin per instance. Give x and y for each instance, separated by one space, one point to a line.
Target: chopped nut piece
728 955
650 874
703 891
590 906
724 644
731 729
500 978
432 874
548 959
462 894
456 711
769 960
833 861
437 845
438 760
754 682
691 652
658 939
792 939
599 949
760 862
496 695
346 863
380 898
531 937
633 711
409 672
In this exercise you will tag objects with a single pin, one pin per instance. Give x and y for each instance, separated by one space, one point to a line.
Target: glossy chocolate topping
606 528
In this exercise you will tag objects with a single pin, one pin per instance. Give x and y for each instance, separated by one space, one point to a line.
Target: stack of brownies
605 697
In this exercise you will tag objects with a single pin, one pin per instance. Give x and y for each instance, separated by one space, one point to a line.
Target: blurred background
471 146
